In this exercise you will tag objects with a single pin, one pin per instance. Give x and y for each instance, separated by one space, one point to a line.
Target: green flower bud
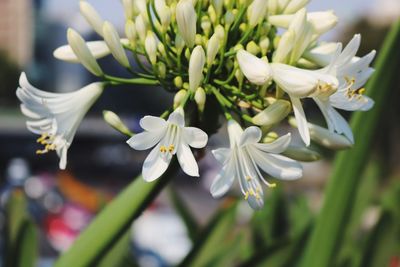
212 14
150 46
253 48
179 97
196 65
178 82
212 49
114 121
161 69
264 45
128 8
206 25
130 32
273 114
200 98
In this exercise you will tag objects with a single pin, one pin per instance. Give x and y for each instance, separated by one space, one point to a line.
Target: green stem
118 80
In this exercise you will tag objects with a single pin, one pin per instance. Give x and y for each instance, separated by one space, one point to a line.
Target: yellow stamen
171 148
248 178
246 196
163 149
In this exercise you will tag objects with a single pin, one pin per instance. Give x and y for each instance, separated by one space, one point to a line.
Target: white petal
152 123
223 181
145 140
256 70
301 120
154 165
63 158
341 125
349 51
251 135
99 49
222 154
277 166
322 54
195 137
187 161
278 146
177 117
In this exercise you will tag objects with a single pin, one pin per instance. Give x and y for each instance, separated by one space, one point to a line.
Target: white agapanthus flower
244 159
56 116
168 138
352 73
297 83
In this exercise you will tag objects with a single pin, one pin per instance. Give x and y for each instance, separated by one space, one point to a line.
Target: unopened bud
220 31
253 48
264 45
141 27
112 39
294 5
179 97
196 65
164 13
198 39
150 45
205 25
161 69
229 18
82 52
301 154
286 43
179 43
257 11
130 32
273 114
128 8
200 98
212 49
186 19
92 17
114 121
178 82
212 14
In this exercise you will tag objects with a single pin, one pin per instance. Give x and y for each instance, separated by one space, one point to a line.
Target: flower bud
98 49
164 13
150 45
161 49
179 97
112 39
257 11
161 69
212 49
253 48
325 137
114 121
294 5
198 40
130 32
229 18
220 32
141 27
273 114
128 8
140 7
273 7
285 45
82 52
212 14
92 17
256 70
264 45
186 19
217 4
206 25
200 98
178 82
301 154
179 43
196 65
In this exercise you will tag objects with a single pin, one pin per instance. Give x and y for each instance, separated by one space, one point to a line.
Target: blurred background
101 164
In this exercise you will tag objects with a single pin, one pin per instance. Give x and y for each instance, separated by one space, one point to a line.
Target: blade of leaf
27 247
114 220
328 233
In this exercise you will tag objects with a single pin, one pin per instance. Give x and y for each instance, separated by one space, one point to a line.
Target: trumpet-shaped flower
56 116
244 159
352 73
168 138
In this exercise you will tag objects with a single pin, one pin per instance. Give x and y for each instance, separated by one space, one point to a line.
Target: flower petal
187 161
99 49
277 166
177 117
251 135
152 123
301 120
255 69
145 140
222 154
278 146
195 137
154 165
223 181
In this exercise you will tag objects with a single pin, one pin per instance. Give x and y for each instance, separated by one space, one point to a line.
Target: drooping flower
352 73
56 116
244 159
297 83
168 138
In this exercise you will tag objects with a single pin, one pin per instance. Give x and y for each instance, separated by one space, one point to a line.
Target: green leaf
212 238
339 197
113 221
27 247
185 214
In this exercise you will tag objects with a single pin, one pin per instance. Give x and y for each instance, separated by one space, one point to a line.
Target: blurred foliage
9 74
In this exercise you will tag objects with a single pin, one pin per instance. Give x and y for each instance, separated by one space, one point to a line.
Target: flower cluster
260 60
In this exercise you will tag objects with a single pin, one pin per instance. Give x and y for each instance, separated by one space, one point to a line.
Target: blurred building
16 27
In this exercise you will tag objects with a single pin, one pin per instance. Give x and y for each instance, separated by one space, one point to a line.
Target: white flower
186 19
244 159
255 69
168 138
352 73
257 11
113 41
55 116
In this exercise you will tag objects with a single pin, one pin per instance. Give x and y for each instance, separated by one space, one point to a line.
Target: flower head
168 138
55 116
244 159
